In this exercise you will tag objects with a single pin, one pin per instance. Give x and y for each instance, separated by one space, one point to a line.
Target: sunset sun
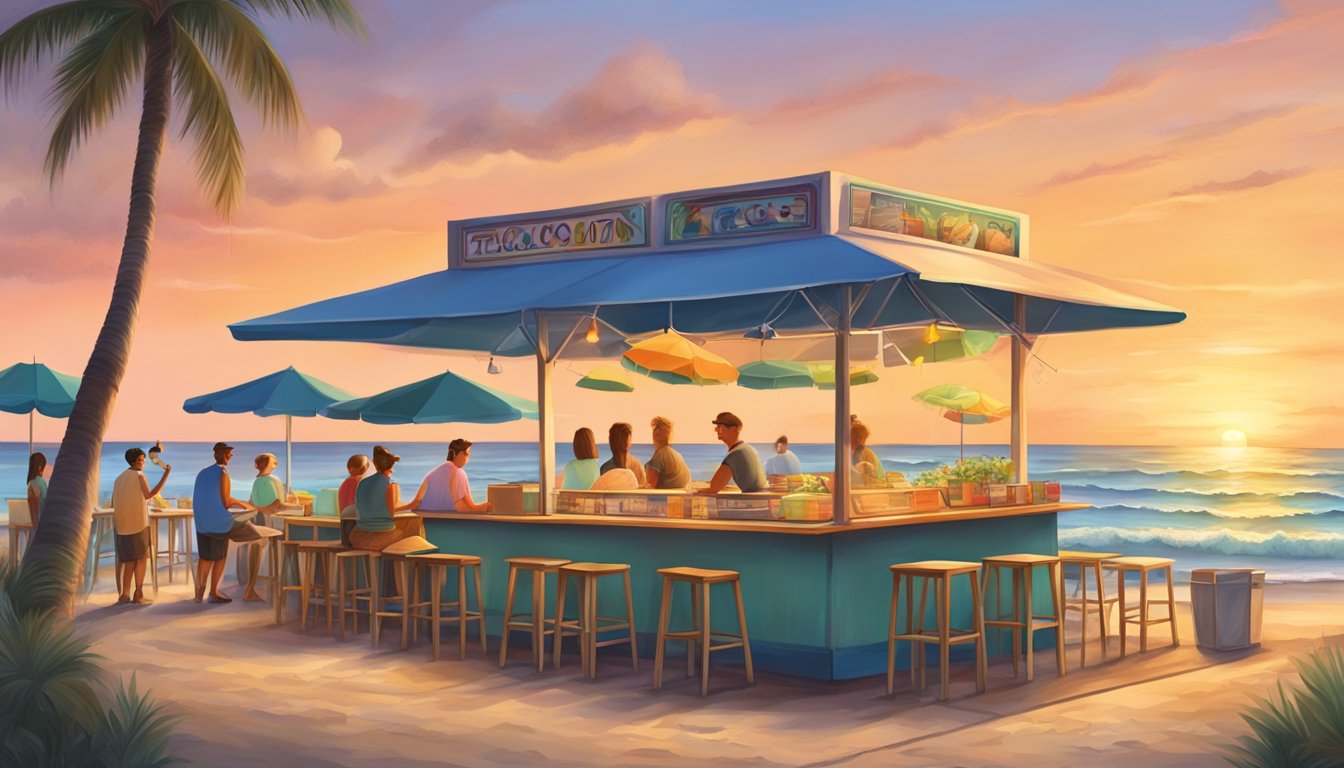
1234 438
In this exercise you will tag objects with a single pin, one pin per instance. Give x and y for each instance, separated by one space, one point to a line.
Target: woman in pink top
357 466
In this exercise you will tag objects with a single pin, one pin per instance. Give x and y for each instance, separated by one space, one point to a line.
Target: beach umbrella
443 399
964 406
774 374
675 359
901 346
287 393
824 375
28 387
607 378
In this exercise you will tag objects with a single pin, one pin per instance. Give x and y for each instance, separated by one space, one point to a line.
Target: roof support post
1021 355
545 417
840 486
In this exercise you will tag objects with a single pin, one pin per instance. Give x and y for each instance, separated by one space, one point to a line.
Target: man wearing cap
216 527
445 487
784 462
742 465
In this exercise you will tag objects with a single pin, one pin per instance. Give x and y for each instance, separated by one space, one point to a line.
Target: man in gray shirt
742 465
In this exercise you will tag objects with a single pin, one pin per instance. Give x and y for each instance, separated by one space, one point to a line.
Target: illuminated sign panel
742 214
933 219
601 229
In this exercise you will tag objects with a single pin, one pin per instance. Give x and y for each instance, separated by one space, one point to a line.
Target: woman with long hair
37 485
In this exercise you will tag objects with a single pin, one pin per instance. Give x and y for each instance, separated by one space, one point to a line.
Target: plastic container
1228 605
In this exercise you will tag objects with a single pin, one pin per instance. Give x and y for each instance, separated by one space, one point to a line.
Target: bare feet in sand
219 597
140 599
253 597
200 595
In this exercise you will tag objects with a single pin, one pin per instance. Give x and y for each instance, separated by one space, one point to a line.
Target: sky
1191 152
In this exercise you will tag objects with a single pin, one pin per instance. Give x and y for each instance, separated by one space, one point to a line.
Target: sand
251 693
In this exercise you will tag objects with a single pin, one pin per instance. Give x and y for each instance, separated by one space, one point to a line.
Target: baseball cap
727 419
221 446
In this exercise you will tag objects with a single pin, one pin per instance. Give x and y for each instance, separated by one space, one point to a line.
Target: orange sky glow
1203 169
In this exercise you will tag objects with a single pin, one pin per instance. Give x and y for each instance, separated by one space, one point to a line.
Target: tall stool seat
288 574
589 624
177 524
311 553
1024 620
432 610
939 573
537 622
1143 566
350 563
1081 601
700 580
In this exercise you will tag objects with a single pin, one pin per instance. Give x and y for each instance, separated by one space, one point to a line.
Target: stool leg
538 622
704 641
1057 600
1171 607
1030 628
944 631
435 612
480 605
306 582
630 617
1017 631
590 624
923 601
1082 629
695 625
742 622
376 601
910 622
508 614
172 530
891 633
561 586
340 595
1143 611
328 561
1103 617
277 591
664 608
153 556
461 612
978 624
1124 620
410 592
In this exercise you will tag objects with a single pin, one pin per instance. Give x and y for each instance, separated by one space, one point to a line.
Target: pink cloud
1252 181
872 87
639 92
1101 169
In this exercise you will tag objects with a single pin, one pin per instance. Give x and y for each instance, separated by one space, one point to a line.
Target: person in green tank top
37 485
580 473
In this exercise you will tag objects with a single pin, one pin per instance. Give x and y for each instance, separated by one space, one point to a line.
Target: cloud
316 169
874 86
1299 288
1208 129
1101 169
201 286
1197 195
1253 181
639 92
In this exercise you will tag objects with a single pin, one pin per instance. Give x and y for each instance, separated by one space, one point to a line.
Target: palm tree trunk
61 540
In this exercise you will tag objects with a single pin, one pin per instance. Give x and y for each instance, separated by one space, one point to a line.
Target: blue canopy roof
790 285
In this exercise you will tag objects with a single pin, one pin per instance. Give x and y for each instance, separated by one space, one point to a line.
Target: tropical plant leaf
137 731
1300 727
207 117
42 34
340 14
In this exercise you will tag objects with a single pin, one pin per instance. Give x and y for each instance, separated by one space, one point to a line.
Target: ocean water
1277 509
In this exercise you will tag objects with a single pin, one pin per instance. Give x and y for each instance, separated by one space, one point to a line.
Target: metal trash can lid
1226 575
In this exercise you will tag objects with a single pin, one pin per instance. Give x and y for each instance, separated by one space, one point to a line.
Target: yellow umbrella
675 359
824 375
607 378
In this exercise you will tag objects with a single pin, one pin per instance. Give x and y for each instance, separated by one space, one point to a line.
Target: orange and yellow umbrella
675 359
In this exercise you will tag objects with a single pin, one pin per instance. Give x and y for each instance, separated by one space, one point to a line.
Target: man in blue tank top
216 527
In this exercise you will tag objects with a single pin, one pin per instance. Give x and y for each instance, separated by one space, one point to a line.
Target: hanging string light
592 336
931 334
492 368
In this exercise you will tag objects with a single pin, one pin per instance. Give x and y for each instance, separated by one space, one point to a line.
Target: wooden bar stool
177 523
348 591
941 572
536 621
1144 566
288 577
380 611
431 611
310 554
699 580
1100 603
589 624
1024 619
21 528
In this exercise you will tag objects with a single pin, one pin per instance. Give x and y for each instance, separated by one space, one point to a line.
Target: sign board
746 213
931 218
593 229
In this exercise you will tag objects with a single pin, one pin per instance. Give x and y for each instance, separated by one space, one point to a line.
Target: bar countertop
951 515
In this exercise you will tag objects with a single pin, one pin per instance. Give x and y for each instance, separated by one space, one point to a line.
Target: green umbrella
964 406
774 374
28 387
824 375
901 346
607 378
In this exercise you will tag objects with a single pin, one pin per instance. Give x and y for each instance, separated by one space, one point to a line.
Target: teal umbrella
28 387
287 393
774 374
442 399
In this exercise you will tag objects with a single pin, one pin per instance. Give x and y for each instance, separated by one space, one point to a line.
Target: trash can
1227 604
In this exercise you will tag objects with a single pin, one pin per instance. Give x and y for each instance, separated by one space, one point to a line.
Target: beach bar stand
823 254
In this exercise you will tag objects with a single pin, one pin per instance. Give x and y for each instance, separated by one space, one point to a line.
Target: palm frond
219 148
46 673
137 731
1300 727
340 14
230 37
26 588
1321 702
91 81
44 33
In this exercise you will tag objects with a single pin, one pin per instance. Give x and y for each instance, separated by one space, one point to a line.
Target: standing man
216 527
130 518
742 465
784 462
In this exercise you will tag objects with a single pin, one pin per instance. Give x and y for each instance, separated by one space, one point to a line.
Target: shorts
132 546
215 546
376 541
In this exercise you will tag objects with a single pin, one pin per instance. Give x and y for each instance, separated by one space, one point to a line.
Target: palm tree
179 49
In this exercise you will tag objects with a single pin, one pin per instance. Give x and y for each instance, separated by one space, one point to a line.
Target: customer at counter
583 470
445 487
742 465
377 498
619 437
784 462
357 466
866 466
666 470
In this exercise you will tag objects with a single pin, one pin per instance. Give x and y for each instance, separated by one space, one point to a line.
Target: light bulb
931 334
492 368
591 337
